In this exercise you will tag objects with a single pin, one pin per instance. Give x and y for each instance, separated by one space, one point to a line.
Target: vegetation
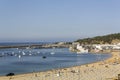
107 39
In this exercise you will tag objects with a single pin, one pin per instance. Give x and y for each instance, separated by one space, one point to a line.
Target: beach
102 70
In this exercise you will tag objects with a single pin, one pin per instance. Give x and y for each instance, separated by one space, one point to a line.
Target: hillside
106 39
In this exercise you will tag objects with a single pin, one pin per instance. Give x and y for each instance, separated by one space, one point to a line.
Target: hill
106 39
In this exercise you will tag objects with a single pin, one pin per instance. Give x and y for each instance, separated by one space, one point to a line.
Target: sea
20 61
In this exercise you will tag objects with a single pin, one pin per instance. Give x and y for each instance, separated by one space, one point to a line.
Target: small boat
23 53
19 56
52 53
44 57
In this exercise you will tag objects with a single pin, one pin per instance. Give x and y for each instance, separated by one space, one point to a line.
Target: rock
10 74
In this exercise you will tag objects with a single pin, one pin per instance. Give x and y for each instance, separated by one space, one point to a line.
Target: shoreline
66 72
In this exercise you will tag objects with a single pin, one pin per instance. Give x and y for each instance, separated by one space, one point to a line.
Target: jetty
35 46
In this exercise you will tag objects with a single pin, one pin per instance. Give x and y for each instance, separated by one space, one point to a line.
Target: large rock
10 74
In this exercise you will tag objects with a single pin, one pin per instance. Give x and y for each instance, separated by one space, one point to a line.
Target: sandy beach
102 70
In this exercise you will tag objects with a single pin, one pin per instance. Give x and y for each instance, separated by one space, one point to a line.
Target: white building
81 49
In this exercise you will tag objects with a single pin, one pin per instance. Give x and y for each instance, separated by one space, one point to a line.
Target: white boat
19 56
86 51
52 53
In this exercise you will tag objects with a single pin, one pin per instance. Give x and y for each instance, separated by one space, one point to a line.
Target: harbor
102 70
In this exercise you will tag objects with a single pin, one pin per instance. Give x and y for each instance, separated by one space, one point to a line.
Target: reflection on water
28 60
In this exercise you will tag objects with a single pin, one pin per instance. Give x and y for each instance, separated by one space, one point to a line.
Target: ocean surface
20 61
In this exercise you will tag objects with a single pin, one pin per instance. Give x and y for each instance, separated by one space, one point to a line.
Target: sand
102 70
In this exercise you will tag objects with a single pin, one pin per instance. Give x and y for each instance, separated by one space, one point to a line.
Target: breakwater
36 46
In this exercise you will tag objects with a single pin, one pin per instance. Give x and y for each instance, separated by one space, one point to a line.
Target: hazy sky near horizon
57 19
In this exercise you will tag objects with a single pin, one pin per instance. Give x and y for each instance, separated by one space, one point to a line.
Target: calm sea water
20 61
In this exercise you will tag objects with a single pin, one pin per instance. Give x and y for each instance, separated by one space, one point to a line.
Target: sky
57 20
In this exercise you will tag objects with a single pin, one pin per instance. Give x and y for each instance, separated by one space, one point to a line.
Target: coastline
92 70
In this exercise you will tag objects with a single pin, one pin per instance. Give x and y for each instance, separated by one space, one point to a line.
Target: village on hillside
102 44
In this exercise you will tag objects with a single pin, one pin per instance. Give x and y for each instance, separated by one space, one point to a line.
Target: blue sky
50 20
